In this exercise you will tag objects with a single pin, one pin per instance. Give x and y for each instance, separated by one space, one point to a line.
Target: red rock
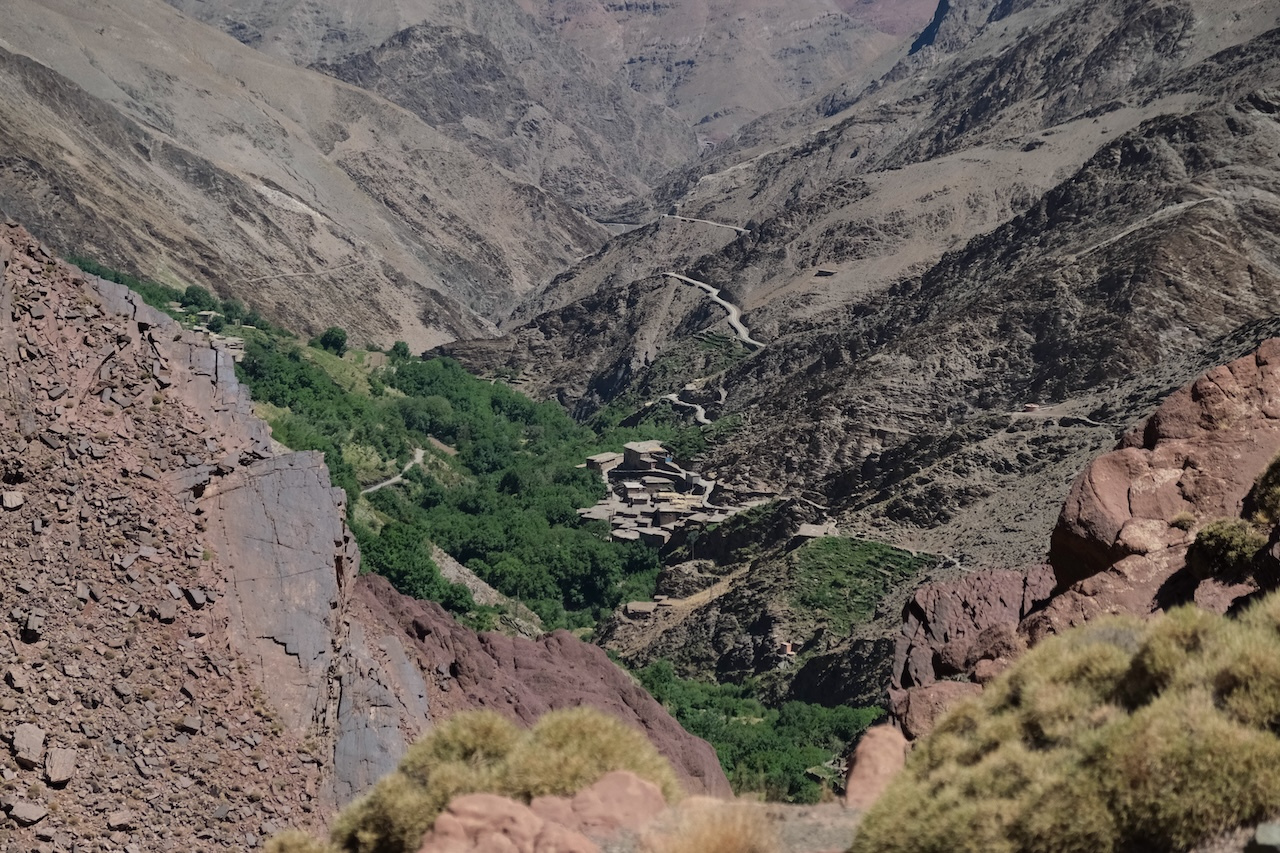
523 679
918 709
620 800
1199 453
487 823
949 625
879 756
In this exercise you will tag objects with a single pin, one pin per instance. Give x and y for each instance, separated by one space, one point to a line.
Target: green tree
334 339
198 298
399 351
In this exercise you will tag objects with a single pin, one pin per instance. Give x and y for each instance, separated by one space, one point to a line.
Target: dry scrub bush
1263 501
1227 546
715 828
566 751
1120 735
481 751
296 841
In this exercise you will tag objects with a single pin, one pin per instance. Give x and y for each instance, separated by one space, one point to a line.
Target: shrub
1263 501
296 841
1183 521
481 751
1225 547
1116 736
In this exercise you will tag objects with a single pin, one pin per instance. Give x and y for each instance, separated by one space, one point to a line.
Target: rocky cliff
192 660
1120 544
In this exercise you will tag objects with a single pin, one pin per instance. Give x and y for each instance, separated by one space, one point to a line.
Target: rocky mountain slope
144 139
530 104
717 65
722 64
1069 204
192 660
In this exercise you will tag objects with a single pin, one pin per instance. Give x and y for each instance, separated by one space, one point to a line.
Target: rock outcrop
879 757
1120 544
1116 547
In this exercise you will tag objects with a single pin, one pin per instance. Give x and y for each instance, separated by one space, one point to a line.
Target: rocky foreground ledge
190 659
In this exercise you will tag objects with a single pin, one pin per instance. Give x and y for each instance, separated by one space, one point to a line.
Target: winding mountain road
735 313
391 481
699 413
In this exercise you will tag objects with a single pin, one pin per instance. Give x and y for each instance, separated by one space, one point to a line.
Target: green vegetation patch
778 752
505 505
842 581
1119 735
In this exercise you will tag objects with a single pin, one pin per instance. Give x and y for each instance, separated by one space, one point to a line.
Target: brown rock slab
12 500
880 755
60 765
619 800
26 813
486 823
28 745
919 708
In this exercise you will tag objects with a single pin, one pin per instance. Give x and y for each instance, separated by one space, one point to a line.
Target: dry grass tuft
718 828
566 751
296 841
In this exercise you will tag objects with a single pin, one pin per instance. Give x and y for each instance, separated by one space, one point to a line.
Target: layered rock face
188 662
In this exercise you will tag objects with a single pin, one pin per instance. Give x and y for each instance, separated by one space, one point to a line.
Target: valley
804 385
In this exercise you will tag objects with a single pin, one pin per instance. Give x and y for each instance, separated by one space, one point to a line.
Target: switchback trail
735 313
699 413
390 481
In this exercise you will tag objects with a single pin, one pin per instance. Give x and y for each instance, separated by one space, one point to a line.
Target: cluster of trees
505 505
775 751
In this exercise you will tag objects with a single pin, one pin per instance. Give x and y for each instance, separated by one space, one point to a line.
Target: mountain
722 64
140 137
717 65
1067 204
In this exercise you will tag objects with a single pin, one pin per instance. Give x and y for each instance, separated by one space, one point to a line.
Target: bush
568 750
1116 736
197 298
1263 501
481 751
1226 547
334 339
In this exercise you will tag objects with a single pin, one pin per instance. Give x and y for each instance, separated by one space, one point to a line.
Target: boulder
619 800
949 626
1199 453
28 745
487 823
880 755
918 709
